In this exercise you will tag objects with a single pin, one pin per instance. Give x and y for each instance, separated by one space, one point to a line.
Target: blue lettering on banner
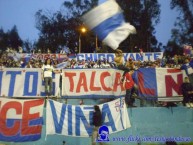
58 123
106 112
89 56
110 56
70 120
90 109
95 57
33 92
101 56
132 56
148 55
139 57
80 57
156 55
29 82
12 81
126 56
80 116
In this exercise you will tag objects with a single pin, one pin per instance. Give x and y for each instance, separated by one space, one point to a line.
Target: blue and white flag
62 65
107 21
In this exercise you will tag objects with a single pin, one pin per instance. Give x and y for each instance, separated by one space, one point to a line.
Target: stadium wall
145 122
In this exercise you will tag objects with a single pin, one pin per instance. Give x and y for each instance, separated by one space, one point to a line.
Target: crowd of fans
9 59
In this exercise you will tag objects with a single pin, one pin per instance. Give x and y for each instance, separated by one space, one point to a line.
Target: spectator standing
1 66
97 122
47 76
130 64
48 51
119 60
105 64
20 49
187 92
28 65
39 50
129 86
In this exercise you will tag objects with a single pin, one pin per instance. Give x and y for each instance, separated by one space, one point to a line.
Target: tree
51 29
3 40
183 31
63 28
144 15
10 39
29 45
14 39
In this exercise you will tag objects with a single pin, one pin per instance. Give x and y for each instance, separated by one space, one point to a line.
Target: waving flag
107 21
62 65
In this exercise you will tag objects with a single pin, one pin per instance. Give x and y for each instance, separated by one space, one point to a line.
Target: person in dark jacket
97 122
187 92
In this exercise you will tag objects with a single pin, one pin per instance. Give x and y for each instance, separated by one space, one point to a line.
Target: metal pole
79 41
96 43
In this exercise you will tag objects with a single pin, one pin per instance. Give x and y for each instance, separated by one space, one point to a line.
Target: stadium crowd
9 59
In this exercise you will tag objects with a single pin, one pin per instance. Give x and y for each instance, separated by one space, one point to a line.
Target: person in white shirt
105 64
1 66
48 51
20 49
47 76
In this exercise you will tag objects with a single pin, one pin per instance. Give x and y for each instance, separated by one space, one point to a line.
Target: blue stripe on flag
107 26
19 137
148 82
101 1
107 21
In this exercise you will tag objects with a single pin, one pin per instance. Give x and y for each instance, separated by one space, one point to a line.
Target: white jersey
47 70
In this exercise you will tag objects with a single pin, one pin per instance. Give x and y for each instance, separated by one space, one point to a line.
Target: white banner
71 120
92 82
24 82
152 56
169 83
